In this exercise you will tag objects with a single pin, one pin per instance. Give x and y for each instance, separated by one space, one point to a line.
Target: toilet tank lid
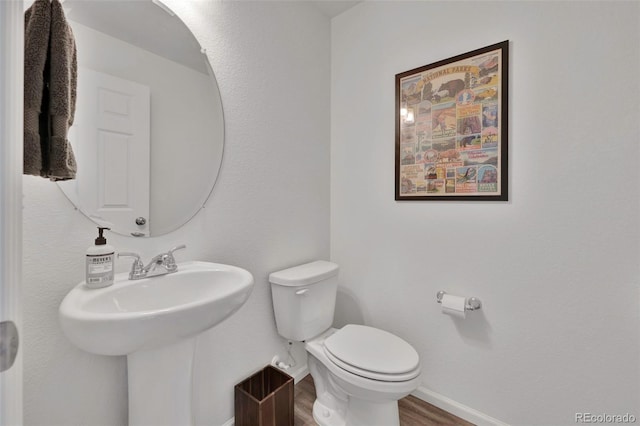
306 274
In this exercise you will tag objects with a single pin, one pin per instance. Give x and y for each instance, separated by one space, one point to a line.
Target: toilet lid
372 353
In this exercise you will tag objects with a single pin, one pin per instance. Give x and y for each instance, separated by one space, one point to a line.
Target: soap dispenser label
99 270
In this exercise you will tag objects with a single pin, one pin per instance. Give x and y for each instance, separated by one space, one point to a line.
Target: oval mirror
148 131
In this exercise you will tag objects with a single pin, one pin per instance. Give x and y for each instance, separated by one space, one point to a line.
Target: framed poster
451 128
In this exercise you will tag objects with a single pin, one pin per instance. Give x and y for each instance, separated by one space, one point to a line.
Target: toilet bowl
359 372
360 391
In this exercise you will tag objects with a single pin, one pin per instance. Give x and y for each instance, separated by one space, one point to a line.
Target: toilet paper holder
471 303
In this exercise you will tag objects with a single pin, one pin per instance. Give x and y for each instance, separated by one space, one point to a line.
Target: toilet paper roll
454 305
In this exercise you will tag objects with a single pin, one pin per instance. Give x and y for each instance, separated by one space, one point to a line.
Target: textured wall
269 210
557 266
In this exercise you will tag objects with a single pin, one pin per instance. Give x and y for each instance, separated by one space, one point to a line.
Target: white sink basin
134 315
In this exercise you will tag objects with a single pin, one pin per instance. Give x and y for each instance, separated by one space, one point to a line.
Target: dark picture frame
452 128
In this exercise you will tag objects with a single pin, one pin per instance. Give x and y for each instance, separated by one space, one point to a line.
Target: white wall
557 266
269 210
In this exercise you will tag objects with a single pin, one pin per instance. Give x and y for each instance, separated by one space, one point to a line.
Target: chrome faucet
162 264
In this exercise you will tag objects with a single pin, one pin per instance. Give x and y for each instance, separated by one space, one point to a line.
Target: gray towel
50 71
37 27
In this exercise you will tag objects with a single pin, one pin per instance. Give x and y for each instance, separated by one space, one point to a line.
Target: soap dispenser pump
99 262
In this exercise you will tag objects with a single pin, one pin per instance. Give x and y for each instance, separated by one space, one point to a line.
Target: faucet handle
137 269
169 260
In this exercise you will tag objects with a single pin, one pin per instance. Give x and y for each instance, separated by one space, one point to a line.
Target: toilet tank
304 299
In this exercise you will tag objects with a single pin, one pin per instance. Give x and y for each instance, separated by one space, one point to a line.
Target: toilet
359 372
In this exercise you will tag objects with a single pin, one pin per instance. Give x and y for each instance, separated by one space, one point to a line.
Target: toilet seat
372 353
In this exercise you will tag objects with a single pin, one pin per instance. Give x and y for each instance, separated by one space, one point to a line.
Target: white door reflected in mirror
111 141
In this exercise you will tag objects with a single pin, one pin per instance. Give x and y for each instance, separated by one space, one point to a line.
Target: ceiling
333 8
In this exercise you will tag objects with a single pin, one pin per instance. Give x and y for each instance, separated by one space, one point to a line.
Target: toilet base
326 416
369 413
359 413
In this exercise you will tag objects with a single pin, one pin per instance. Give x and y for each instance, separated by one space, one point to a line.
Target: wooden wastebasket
264 399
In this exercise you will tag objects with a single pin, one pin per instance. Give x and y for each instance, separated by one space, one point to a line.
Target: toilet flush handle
302 292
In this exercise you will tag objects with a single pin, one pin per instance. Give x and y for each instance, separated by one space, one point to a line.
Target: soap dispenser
99 270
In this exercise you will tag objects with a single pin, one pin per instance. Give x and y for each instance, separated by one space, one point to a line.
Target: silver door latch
9 343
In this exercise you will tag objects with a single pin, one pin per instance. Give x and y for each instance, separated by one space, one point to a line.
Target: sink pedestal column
160 385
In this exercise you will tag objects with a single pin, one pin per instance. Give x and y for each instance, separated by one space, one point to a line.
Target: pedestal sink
154 322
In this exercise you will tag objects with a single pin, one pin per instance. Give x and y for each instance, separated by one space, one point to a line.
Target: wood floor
413 411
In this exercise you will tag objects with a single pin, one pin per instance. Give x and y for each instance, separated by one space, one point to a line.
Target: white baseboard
229 422
299 374
455 408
